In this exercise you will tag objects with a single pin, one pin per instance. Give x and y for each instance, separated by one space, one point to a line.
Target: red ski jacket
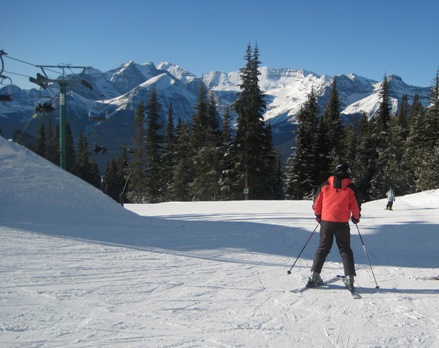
335 200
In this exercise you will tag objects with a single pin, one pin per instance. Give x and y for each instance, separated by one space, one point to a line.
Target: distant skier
336 201
390 199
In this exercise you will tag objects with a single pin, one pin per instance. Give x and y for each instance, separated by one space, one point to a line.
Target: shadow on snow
402 245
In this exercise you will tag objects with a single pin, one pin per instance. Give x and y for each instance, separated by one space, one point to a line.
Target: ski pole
309 238
365 252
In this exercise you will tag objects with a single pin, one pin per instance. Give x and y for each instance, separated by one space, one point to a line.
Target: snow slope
78 270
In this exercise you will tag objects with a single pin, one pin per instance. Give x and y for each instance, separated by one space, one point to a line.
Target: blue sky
369 38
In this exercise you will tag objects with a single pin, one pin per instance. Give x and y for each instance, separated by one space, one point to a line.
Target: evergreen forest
209 159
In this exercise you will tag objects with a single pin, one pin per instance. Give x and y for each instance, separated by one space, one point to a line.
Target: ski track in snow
57 293
202 274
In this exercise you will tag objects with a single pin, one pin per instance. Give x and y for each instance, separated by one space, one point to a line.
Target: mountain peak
285 89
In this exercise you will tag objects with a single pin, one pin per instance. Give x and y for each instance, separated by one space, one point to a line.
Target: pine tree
252 153
184 169
41 140
330 137
85 168
115 178
403 115
168 157
205 185
414 148
383 117
301 171
432 115
137 189
381 180
51 146
82 165
350 141
433 109
398 166
275 174
427 167
227 132
200 120
205 130
153 148
214 131
365 158
112 183
229 183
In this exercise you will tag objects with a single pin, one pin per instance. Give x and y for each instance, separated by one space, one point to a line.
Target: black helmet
342 168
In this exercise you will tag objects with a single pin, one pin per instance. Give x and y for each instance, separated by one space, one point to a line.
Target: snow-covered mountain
117 92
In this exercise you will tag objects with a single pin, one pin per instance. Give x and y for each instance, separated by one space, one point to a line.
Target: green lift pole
43 81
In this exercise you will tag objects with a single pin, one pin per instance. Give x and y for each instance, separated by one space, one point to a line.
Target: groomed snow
79 270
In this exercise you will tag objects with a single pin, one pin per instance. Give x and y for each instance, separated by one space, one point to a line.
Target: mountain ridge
117 92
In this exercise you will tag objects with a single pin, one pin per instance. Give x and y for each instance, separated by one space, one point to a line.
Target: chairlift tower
43 81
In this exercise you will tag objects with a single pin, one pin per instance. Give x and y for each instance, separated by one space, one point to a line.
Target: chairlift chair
42 106
6 97
97 117
97 114
100 149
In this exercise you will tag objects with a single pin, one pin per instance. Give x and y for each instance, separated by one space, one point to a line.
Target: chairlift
92 116
97 114
5 97
100 149
42 106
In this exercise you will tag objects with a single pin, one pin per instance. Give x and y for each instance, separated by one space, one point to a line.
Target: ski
354 293
304 288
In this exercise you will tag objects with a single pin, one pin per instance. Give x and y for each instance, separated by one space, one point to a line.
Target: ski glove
318 218
354 220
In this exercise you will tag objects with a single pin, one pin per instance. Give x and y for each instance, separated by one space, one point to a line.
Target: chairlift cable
25 127
17 74
34 65
19 60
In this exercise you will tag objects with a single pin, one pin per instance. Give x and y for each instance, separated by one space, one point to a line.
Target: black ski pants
341 232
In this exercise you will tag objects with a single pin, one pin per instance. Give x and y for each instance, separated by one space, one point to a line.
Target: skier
335 202
390 199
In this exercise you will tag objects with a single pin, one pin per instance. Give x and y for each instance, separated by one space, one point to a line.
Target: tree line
209 158
205 159
399 150
78 156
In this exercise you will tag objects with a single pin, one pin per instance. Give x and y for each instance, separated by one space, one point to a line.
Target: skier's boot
350 282
314 281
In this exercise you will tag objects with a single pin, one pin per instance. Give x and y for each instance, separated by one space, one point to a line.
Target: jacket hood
339 182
